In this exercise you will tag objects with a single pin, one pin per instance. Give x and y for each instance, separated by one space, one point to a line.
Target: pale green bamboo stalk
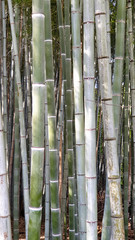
69 123
106 223
79 118
4 110
132 86
50 87
38 115
90 128
119 60
75 194
21 120
53 145
5 222
109 127
125 143
47 173
16 187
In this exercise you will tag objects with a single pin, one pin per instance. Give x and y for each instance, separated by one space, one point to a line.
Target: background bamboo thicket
67 119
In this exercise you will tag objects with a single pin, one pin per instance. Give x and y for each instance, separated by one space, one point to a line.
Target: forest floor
100 215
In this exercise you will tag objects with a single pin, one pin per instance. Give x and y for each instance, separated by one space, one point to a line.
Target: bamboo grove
67 119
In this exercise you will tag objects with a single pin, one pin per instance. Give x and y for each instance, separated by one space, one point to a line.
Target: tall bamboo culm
38 120
132 86
16 148
21 121
90 129
79 116
109 127
53 145
106 222
5 221
119 60
126 138
4 109
69 124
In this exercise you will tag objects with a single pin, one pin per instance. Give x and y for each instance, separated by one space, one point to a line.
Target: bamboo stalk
79 116
38 115
109 128
69 123
132 86
5 222
90 128
53 145
126 161
106 223
4 108
119 60
16 148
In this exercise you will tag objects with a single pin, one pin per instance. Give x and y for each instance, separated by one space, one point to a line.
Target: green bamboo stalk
75 194
132 85
38 115
79 116
4 80
21 120
106 223
126 101
69 123
5 222
53 152
16 187
47 174
108 119
90 129
119 60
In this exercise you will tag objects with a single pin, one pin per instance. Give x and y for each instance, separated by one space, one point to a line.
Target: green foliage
26 3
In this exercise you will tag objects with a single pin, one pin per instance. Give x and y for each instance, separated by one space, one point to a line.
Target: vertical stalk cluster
21 120
109 128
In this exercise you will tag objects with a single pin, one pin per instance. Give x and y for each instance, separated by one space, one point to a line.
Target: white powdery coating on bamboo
35 209
56 235
37 149
38 85
38 15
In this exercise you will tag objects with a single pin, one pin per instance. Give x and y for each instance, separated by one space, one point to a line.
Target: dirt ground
100 215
